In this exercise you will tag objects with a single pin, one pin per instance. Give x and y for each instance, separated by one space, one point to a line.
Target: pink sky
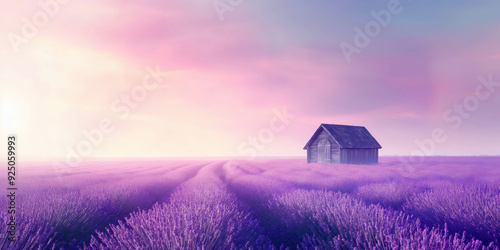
225 77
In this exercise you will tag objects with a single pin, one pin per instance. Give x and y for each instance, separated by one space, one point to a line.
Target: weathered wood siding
335 153
313 153
359 156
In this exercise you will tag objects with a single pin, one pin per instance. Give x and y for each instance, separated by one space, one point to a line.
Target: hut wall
359 156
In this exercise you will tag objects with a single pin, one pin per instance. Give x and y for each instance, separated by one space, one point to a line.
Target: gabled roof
347 136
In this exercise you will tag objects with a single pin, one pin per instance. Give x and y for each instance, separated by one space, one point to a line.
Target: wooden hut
342 144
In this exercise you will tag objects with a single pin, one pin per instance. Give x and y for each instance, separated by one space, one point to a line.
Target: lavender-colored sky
227 76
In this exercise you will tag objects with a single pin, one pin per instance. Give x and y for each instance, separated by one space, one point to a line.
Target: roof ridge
348 136
342 125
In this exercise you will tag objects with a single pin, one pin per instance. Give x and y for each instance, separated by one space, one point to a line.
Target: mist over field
443 203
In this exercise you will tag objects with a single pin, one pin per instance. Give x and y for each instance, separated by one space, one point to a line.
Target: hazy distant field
446 203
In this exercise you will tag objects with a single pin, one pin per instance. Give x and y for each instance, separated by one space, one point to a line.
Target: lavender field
446 203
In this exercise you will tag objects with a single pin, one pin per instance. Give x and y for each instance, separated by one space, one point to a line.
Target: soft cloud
226 77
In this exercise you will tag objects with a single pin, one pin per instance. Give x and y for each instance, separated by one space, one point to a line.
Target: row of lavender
56 212
220 208
460 205
291 217
201 215
64 217
205 217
